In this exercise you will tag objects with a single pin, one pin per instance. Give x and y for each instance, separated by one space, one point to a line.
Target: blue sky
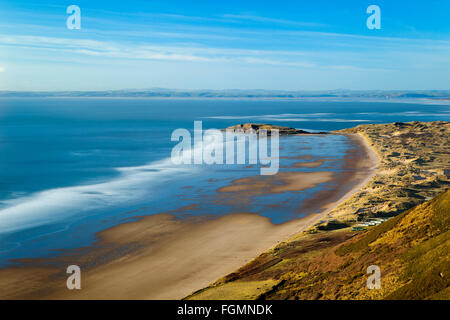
292 45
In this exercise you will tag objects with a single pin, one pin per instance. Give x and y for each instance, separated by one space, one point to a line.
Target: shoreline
153 257
374 160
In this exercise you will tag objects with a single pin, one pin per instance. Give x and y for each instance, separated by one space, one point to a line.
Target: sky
280 45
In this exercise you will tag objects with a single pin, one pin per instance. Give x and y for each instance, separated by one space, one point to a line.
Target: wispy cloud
119 50
337 59
246 17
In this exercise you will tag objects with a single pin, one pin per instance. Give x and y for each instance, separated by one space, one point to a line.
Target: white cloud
118 50
272 20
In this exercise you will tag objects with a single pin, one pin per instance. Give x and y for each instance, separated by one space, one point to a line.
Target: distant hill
411 249
173 93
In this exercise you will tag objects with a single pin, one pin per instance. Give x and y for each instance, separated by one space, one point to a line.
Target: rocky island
257 127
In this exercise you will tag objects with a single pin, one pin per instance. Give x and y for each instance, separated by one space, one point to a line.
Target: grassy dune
329 261
414 166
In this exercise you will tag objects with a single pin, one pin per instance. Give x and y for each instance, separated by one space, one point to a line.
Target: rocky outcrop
257 127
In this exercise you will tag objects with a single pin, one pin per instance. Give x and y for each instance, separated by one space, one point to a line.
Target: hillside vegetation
412 251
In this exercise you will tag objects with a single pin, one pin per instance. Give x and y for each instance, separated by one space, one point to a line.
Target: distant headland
441 95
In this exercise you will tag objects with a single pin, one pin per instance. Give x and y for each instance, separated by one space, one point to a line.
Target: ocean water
70 167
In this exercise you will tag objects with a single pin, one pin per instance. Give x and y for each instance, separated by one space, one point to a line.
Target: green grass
237 290
427 274
428 264
441 208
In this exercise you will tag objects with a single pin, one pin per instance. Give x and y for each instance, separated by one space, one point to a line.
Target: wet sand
281 182
160 257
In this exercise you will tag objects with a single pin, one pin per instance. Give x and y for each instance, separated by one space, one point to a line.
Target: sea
71 167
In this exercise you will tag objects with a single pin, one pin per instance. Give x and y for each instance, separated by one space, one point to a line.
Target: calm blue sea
70 167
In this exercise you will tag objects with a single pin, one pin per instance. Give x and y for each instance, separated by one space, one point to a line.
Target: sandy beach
160 257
